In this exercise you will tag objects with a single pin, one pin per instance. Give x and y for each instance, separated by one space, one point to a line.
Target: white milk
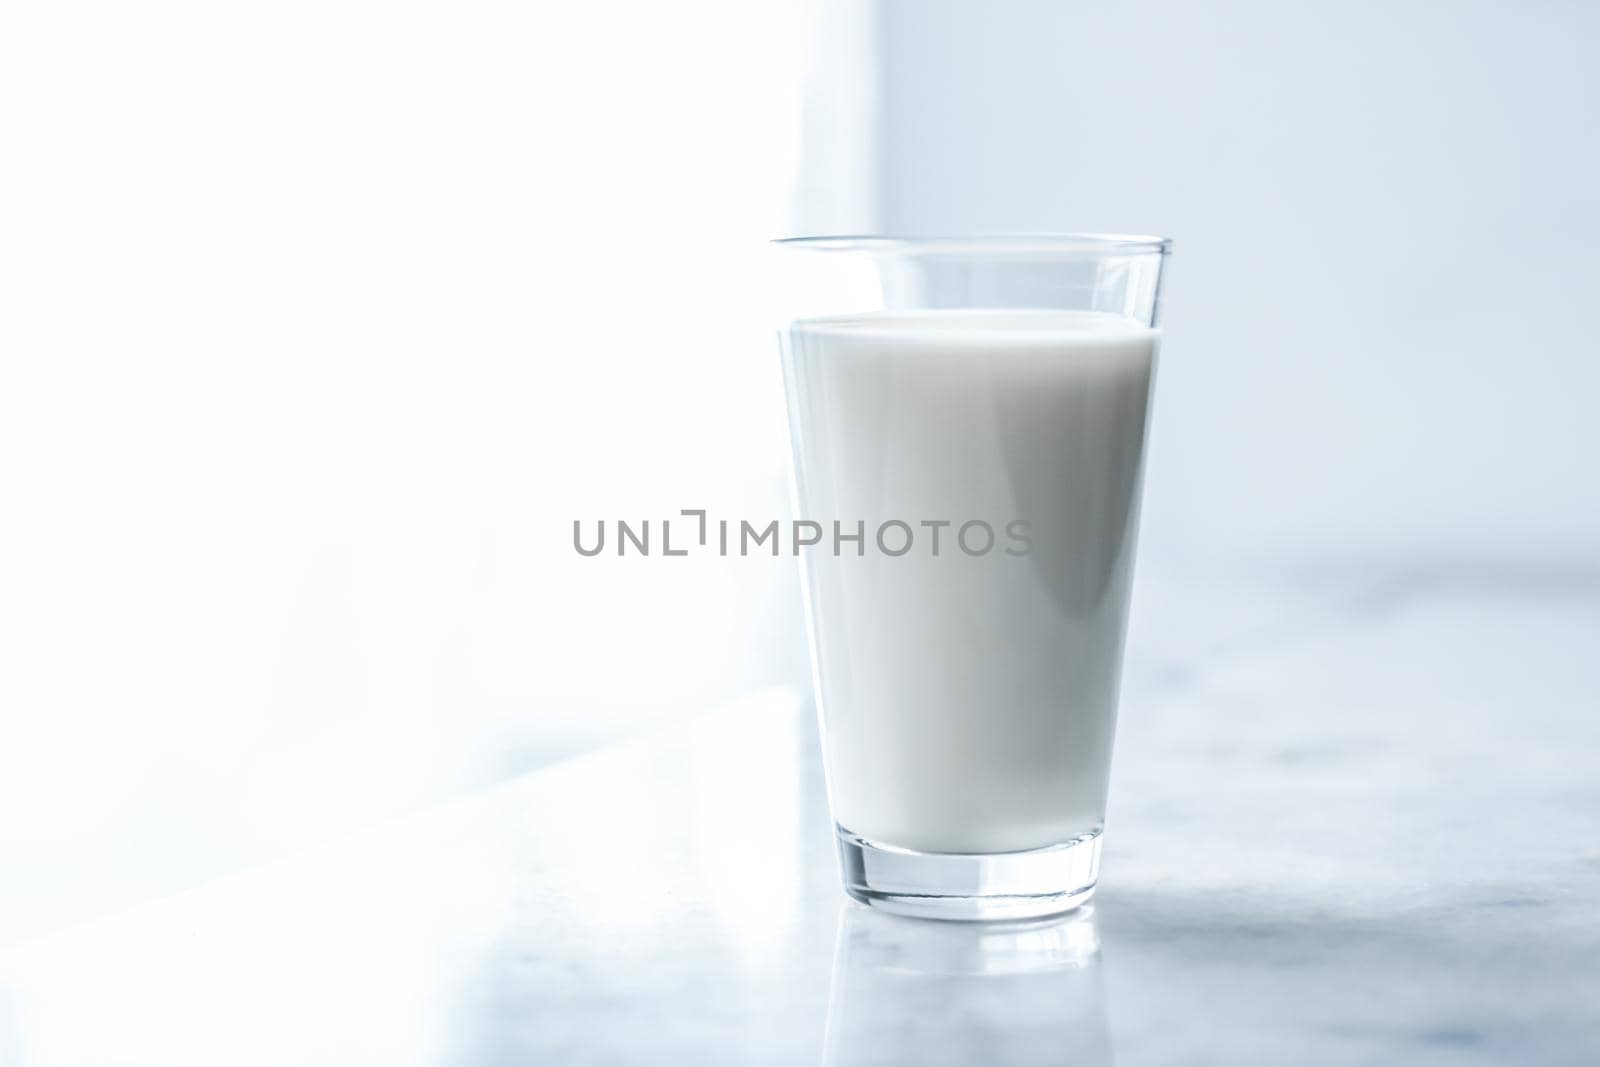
968 702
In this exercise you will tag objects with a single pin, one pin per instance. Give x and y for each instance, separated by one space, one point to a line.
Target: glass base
970 886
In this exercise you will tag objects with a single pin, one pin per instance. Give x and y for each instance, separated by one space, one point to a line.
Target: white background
320 323
1386 218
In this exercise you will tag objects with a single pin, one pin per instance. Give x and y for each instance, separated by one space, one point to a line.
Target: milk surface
968 700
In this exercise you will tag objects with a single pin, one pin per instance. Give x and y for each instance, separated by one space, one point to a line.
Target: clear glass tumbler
968 419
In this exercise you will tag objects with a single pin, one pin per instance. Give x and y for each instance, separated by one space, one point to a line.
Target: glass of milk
968 419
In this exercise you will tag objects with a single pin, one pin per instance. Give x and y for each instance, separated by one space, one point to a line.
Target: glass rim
1105 243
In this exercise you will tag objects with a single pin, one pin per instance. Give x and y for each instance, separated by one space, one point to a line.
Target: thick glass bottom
970 886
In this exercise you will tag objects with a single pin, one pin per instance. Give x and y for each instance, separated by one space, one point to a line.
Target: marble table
1361 829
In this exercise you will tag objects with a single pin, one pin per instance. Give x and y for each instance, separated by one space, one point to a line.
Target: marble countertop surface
1361 831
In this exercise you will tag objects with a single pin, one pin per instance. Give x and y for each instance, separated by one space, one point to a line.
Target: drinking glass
968 419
